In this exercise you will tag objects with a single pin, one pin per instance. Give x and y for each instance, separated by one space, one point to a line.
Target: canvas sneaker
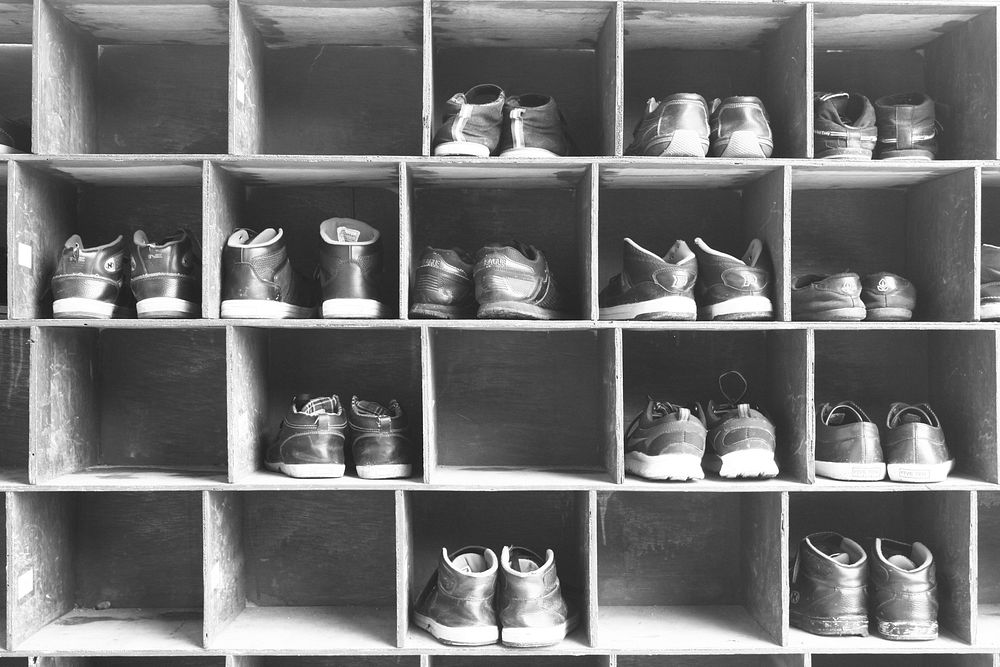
471 122
888 297
443 285
666 441
350 267
907 127
515 282
847 444
531 607
835 298
740 128
651 287
90 282
533 127
456 605
740 435
166 276
828 591
258 280
380 441
902 591
676 126
915 447
989 283
843 126
733 289
310 441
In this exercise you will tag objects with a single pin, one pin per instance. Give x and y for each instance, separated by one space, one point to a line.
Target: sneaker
835 298
740 128
88 282
258 280
533 127
888 297
907 128
989 283
350 266
915 448
310 442
652 287
666 441
166 276
514 282
456 605
903 591
471 122
741 435
829 587
844 126
443 286
847 444
676 126
730 288
531 605
379 442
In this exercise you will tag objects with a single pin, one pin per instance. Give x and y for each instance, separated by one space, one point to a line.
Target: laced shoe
844 126
733 289
740 434
666 441
652 287
828 586
903 591
350 267
533 127
89 282
380 444
907 127
166 276
888 297
310 442
915 447
531 606
258 280
471 122
515 282
835 298
443 285
740 128
847 444
676 126
989 283
457 604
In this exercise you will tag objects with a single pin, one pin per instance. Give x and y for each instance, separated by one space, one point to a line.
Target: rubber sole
308 470
843 626
746 144
80 308
515 310
907 631
468 148
851 472
989 311
476 635
259 309
739 308
889 315
744 463
857 155
685 143
673 307
853 314
919 472
673 467
165 307
353 308
527 151
534 637
392 471
440 312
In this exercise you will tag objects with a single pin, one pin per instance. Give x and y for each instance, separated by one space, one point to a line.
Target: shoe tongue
902 562
523 560
679 253
841 558
372 409
468 563
321 405
264 238
74 241
911 414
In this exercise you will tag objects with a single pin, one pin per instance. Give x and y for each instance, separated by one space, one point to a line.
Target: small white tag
348 235
25 583
241 91
24 255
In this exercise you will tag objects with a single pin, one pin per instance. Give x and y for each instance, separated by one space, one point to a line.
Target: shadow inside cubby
712 661
902 660
329 661
520 661
15 81
15 367
130 661
117 572
988 575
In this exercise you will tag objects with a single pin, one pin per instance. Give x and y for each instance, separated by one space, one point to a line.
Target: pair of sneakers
484 121
847 126
846 297
651 287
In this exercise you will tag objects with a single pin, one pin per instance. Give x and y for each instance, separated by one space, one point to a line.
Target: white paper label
348 235
25 584
24 255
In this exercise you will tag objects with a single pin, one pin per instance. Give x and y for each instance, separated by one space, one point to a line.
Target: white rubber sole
745 463
83 308
686 143
308 470
166 306
675 467
515 310
919 472
259 309
532 637
741 307
989 311
851 472
477 635
527 152
854 314
462 148
673 307
362 308
385 471
889 315
745 144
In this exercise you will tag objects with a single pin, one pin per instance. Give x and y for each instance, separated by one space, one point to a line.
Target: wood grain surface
910 660
988 538
224 564
713 661
246 73
351 22
15 370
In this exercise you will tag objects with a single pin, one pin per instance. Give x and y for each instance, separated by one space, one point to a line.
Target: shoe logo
113 264
494 262
846 287
431 264
680 281
750 280
794 597
885 284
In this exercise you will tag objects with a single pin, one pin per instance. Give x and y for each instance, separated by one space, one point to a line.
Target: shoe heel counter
85 287
321 447
242 282
372 449
181 287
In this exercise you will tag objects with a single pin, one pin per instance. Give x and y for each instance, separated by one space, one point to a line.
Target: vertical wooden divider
767 210
588 212
765 567
405 242
428 99
223 197
426 660
588 549
246 86
246 386
786 61
223 564
614 405
243 661
977 244
404 565
610 80
427 379
792 360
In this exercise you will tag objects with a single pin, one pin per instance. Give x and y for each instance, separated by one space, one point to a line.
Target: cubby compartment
130 661
105 572
521 408
988 574
269 367
918 222
942 521
718 51
15 367
127 408
326 661
566 50
15 81
712 661
125 77
327 77
678 573
300 572
903 660
520 661
947 51
955 372
450 520
990 232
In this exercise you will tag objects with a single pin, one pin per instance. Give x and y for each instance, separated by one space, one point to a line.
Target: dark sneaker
907 128
15 137
740 128
533 127
652 287
443 286
847 444
379 442
835 298
915 448
531 606
888 297
666 441
310 442
829 586
740 434
166 276
258 280
471 122
89 282
514 282
902 591
989 283
456 605
350 267
730 288
843 126
676 126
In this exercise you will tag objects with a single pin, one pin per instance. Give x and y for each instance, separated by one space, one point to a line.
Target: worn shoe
531 606
847 444
907 128
533 127
676 126
730 288
166 276
835 298
310 442
380 445
740 434
666 441
471 122
888 297
740 128
915 447
989 283
89 282
456 605
258 280
828 587
652 287
903 591
844 126
443 285
350 266
514 282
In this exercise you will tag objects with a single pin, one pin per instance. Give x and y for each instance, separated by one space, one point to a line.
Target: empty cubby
712 661
15 81
948 52
918 222
520 661
105 572
15 372
300 572
328 77
988 575
903 660
682 572
718 52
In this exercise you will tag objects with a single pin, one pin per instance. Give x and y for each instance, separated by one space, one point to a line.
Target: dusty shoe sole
918 473
740 308
80 308
476 635
676 467
469 148
441 312
673 307
907 631
844 626
744 463
515 310
350 308
308 470
833 315
746 144
260 309
390 471
889 315
684 143
166 307
851 472
989 311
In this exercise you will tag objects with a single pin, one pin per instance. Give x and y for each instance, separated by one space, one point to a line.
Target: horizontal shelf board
952 483
146 22
519 23
119 631
694 174
134 478
271 481
355 173
712 484
682 629
700 26
869 175
574 644
139 171
284 23
498 173
502 479
885 26
305 630
804 641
